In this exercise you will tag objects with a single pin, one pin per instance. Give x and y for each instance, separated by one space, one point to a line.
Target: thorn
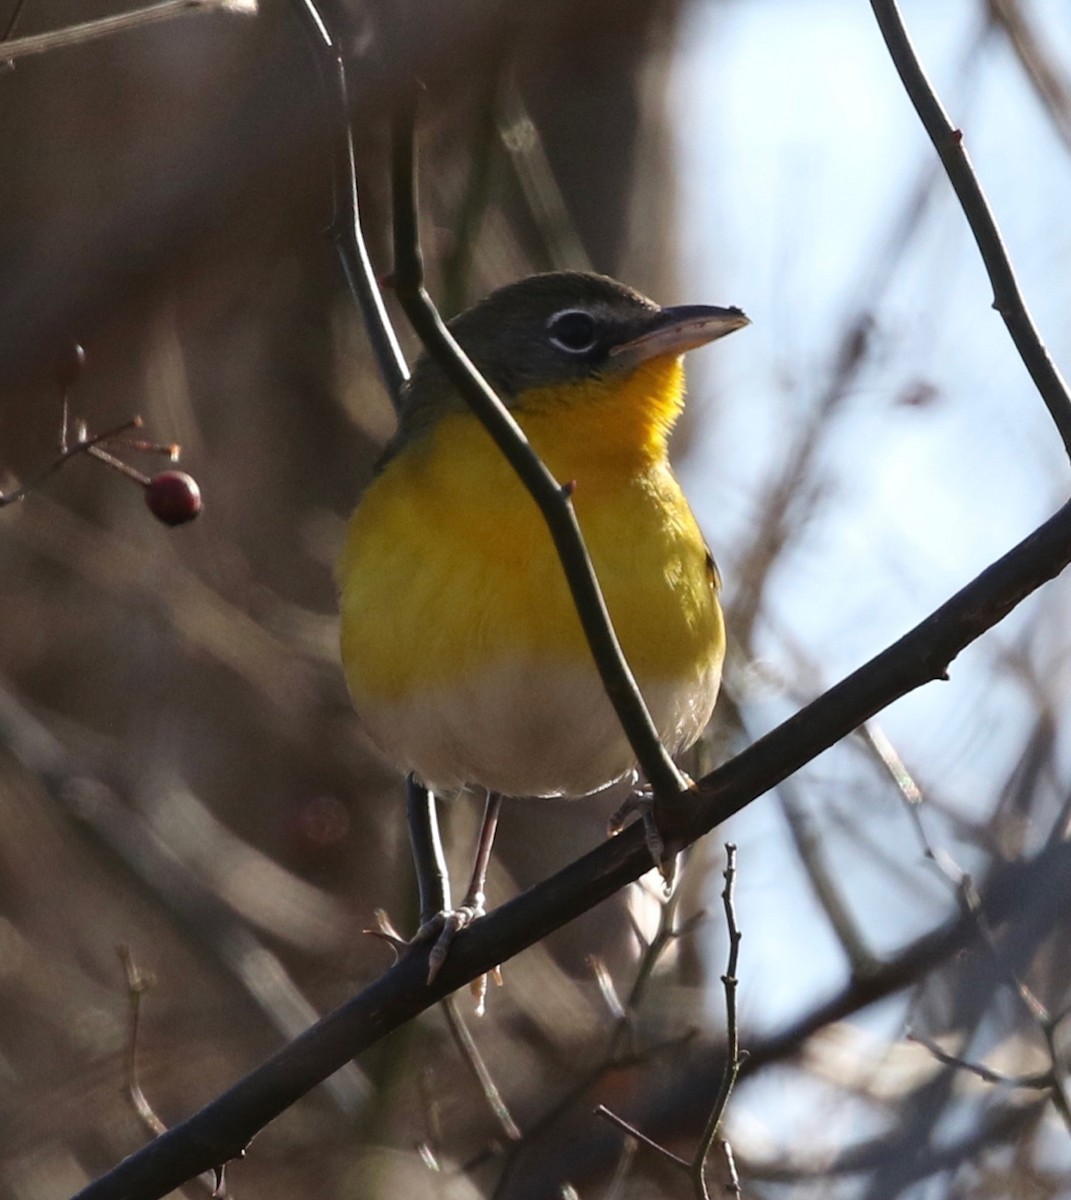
567 489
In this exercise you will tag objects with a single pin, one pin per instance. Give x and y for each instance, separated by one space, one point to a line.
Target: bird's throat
611 417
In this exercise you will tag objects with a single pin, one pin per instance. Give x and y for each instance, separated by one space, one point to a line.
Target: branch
552 498
89 31
347 231
920 656
696 1167
223 1128
475 1062
948 142
733 1058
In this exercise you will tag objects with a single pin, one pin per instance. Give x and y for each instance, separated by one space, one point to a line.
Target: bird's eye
572 330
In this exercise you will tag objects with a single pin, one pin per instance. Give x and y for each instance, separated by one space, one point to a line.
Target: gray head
553 329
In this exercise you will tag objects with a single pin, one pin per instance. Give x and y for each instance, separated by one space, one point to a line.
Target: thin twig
621 1013
1036 1082
606 1115
347 232
137 984
732 1185
580 1087
808 842
474 1060
696 1168
89 31
665 935
948 142
117 464
733 1057
607 989
551 497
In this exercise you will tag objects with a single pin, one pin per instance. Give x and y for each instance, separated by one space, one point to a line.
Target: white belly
531 730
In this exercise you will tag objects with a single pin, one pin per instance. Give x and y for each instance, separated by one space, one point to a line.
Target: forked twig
696 1167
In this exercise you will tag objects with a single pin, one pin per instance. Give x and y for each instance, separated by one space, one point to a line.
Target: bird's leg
438 918
474 897
472 906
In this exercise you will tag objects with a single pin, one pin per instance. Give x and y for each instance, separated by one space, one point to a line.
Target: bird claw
444 927
642 803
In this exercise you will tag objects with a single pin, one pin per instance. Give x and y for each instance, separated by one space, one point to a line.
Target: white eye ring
578 327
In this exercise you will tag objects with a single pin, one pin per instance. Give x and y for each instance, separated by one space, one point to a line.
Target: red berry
173 497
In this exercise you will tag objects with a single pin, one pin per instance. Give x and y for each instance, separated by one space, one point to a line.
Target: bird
461 646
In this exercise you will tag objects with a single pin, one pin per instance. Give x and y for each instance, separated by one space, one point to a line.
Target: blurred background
180 773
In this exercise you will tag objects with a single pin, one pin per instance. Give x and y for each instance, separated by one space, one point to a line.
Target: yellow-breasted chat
462 649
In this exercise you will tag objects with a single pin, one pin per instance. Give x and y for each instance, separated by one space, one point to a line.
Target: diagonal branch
222 1129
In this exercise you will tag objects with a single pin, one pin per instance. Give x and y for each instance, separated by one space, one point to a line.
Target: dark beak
676 330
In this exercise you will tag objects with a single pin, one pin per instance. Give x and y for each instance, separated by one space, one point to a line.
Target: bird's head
543 335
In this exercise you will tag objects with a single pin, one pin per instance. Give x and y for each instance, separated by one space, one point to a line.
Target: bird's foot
443 927
642 803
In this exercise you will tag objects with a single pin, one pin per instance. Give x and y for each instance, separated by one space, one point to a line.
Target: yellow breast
449 571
